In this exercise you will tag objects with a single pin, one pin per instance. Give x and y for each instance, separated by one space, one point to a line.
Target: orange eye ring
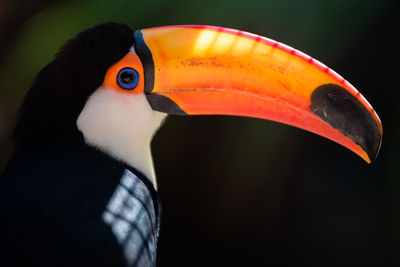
126 75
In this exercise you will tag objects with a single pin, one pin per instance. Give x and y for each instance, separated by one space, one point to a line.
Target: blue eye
128 78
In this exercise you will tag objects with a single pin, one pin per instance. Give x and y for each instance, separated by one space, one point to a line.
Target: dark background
240 191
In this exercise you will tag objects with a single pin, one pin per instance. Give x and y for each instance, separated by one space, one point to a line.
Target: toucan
80 188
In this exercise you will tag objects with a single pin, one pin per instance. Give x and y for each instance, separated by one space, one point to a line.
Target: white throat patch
122 125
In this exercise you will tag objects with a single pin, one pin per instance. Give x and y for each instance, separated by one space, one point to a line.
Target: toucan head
115 87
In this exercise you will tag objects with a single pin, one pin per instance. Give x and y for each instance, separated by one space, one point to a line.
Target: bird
80 188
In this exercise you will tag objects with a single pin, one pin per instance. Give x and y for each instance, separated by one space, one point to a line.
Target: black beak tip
343 111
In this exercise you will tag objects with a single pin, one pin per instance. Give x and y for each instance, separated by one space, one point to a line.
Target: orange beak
195 70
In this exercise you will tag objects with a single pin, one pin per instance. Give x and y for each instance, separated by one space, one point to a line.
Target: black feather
55 189
60 90
52 198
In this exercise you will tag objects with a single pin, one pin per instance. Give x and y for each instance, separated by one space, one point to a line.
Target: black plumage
55 190
61 88
52 199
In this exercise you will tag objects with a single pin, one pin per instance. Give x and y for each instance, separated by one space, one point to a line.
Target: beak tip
344 112
373 154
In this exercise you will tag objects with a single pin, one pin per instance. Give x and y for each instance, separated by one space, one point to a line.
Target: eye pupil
128 78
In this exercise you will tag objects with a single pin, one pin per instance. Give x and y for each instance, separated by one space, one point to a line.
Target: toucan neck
121 125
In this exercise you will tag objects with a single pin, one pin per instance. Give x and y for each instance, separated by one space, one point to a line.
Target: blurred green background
240 191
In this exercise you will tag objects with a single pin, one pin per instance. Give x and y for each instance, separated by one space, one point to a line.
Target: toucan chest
72 192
